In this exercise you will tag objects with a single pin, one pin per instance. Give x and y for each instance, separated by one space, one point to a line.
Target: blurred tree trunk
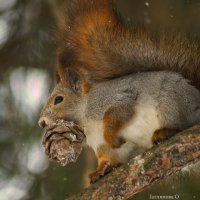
29 39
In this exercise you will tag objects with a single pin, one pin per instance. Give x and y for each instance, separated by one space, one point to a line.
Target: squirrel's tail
92 36
87 31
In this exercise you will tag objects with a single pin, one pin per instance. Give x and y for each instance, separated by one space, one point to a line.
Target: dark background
27 57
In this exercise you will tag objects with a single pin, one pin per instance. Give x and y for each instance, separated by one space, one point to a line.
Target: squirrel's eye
58 100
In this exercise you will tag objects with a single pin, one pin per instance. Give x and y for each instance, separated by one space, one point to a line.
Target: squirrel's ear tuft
74 80
57 77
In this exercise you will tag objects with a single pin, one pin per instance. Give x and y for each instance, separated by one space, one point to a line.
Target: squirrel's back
177 101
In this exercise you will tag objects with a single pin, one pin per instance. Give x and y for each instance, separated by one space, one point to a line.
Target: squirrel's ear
60 74
57 77
74 80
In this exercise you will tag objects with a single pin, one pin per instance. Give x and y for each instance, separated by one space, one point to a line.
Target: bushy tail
87 30
92 36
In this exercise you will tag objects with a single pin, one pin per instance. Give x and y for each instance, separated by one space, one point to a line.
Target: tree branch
144 170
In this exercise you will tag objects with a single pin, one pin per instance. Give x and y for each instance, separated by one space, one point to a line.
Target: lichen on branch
142 171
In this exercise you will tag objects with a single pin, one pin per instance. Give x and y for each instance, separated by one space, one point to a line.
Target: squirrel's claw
105 168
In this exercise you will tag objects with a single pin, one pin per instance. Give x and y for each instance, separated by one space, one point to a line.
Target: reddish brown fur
163 134
104 154
92 36
61 76
86 87
106 162
113 122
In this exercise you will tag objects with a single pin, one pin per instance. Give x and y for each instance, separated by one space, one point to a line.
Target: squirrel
123 117
98 86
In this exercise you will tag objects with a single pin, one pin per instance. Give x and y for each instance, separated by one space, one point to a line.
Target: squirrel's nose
42 123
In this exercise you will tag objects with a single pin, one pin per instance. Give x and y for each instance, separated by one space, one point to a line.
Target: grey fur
176 100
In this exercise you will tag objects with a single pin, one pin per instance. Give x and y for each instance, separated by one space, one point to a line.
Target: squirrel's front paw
104 169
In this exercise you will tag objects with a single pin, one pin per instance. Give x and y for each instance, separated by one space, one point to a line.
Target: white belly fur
138 133
94 138
94 134
141 127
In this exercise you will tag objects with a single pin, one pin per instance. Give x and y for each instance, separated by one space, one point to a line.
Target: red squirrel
121 111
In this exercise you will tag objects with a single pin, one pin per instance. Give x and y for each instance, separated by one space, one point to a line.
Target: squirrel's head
66 100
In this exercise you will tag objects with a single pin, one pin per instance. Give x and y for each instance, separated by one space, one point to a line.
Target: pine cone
63 142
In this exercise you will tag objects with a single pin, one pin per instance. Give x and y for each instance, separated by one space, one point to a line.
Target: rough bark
144 170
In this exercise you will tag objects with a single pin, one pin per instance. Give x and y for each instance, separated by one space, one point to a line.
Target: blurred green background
27 57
